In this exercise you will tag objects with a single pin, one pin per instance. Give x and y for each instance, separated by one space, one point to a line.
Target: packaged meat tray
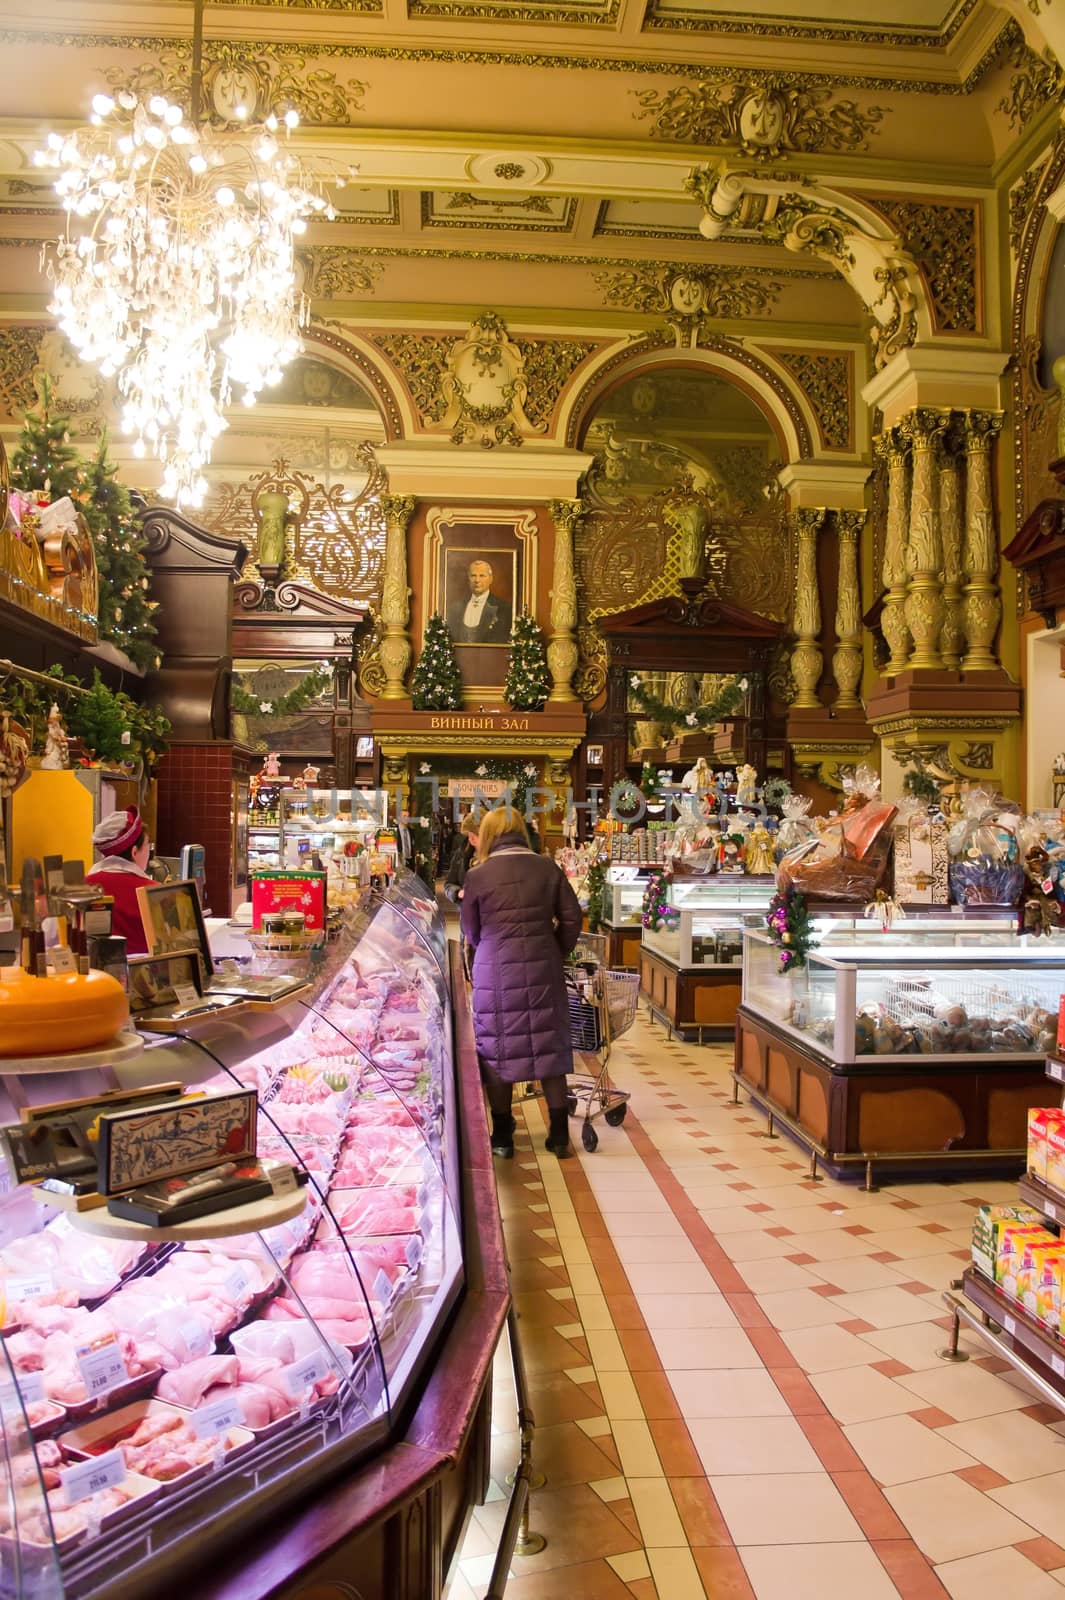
70 1522
377 1209
157 1440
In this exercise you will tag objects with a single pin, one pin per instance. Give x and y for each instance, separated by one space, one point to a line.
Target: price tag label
238 1282
1058 1366
1010 1325
31 1386
28 1288
382 1287
282 1179
414 1251
217 1418
102 1367
305 1373
187 994
1056 1069
1051 1211
90 1477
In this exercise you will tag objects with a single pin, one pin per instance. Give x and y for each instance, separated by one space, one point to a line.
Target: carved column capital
982 428
924 426
398 509
566 513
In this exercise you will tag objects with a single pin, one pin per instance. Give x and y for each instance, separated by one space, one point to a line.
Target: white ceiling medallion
508 169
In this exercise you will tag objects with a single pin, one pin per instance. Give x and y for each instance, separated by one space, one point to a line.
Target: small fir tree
648 781
437 682
44 457
126 614
99 721
528 680
596 885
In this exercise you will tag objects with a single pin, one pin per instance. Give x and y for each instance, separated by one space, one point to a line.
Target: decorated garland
728 698
284 705
775 791
790 928
595 885
517 775
657 912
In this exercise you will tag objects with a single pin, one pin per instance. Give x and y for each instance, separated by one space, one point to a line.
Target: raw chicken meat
378 1211
186 1386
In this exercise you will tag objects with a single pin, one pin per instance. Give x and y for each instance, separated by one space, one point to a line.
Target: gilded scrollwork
335 272
244 81
687 298
371 673
548 366
1022 196
944 240
825 379
1034 84
20 350
421 360
762 119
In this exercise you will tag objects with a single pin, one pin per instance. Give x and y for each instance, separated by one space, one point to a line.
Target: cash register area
737 1371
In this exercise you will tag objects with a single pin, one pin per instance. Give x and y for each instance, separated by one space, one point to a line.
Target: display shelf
1051 1202
255 1217
1027 1344
116 1052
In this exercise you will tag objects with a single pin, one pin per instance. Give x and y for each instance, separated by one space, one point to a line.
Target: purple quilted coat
520 918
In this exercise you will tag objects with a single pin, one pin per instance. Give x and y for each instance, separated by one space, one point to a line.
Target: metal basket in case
622 992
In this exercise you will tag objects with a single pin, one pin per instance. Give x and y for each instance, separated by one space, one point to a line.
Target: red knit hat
118 832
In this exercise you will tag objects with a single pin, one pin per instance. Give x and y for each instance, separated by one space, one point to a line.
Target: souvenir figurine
56 746
761 856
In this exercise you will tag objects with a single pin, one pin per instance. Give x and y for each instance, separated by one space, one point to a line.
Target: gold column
806 657
952 634
847 656
395 651
562 645
925 609
893 446
983 604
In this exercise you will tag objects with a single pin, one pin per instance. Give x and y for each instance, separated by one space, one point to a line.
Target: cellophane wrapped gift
921 858
796 824
985 864
850 857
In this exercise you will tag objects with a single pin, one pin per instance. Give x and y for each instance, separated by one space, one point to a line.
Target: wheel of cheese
51 1016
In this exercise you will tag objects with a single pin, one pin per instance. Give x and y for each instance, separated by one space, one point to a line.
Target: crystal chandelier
177 271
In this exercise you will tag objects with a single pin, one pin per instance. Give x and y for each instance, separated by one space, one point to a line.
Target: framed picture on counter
163 981
173 919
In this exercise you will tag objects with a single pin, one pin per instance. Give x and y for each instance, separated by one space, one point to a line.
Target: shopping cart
602 1006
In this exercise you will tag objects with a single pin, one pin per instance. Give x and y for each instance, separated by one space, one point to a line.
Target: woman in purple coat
520 919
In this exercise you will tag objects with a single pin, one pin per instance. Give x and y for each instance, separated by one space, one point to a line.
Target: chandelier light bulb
102 104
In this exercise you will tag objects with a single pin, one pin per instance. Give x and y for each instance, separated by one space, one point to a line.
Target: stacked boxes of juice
1012 1246
1046 1145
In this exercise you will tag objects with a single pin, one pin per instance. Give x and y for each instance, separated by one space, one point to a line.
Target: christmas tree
98 720
596 887
528 681
126 612
657 911
437 682
44 457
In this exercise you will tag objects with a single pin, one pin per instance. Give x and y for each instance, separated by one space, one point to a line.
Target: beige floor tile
636 1447
604 1347
611 1488
812 1571
773 1275
656 1513
964 1392
652 1277
620 1398
899 1449
622 1200
630 1568
918 1345
831 1246
855 1274
686 1311
827 1349
681 1348
887 1308
1011 1444
792 1508
904 1240
947 1518
731 1445
652 1224
995 1575
858 1394
741 1247
808 1219
675 1574
594 1427
801 1308
672 1248
594 1311
1040 1501
723 1220
725 1393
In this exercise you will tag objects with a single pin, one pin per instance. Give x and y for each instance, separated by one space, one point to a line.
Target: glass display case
264 826
708 921
623 896
935 988
160 1388
321 821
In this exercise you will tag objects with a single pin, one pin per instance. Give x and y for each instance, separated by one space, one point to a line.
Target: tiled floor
735 1373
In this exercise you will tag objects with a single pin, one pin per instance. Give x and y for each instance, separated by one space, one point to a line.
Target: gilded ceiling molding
156 44
1033 85
335 272
536 204
687 299
20 354
827 380
766 387
945 239
442 373
252 76
813 30
836 229
761 120
1022 198
591 15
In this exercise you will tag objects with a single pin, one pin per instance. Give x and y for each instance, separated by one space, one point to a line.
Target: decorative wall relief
19 359
485 386
826 380
945 241
335 272
1034 84
763 120
259 78
338 530
687 297
1022 196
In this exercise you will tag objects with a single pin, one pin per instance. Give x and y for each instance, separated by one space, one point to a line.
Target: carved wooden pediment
1039 552
294 619
694 632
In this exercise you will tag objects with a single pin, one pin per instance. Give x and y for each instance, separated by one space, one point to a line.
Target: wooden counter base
968 1111
692 1002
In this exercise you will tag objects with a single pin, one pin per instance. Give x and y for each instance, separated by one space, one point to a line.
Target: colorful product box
1055 1169
1014 1238
1039 1120
988 1224
1039 1277
289 891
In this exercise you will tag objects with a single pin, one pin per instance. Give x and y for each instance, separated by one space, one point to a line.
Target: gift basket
849 856
985 858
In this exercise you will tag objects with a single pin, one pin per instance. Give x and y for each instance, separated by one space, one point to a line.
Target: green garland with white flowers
727 700
298 698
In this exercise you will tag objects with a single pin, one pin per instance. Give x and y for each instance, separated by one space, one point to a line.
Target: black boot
502 1135
557 1140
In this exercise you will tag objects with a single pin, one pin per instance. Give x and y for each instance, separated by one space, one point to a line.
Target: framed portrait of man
480 570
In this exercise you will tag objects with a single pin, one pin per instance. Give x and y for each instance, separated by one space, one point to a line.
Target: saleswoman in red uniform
121 842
